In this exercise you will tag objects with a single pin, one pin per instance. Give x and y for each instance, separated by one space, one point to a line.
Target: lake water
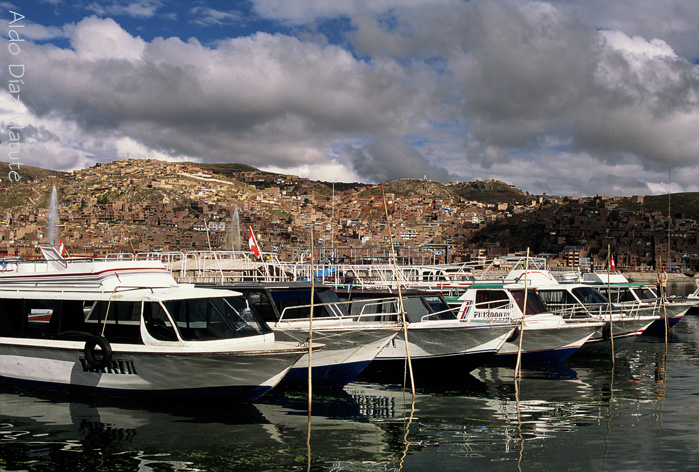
641 414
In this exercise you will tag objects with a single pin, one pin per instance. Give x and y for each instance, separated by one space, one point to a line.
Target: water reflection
641 413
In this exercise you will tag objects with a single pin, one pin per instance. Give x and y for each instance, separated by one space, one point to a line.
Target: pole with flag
62 248
252 242
611 263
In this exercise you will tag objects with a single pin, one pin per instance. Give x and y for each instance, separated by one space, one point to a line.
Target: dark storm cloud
389 158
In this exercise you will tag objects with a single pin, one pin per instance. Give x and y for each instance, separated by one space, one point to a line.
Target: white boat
350 343
128 327
577 302
437 339
545 337
627 296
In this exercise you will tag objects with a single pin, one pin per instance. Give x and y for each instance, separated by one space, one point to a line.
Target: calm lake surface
640 414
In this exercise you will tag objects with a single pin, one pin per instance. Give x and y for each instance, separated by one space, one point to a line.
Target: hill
686 204
29 173
407 187
490 191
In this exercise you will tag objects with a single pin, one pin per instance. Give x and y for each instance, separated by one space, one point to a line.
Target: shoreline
651 277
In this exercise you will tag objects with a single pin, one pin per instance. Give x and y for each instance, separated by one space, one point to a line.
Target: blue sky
559 97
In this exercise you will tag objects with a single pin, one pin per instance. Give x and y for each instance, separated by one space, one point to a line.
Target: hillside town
144 205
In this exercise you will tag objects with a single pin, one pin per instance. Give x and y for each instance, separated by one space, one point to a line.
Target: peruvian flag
253 244
62 248
611 264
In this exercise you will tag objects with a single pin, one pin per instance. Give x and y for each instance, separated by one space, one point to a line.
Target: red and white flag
611 264
62 248
253 244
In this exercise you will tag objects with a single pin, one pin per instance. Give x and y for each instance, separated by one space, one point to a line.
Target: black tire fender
607 331
98 359
514 336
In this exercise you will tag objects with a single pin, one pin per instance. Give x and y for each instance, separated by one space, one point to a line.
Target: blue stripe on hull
326 376
539 357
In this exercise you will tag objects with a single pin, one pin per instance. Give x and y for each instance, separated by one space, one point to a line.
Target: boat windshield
645 293
534 303
298 303
440 309
203 319
589 296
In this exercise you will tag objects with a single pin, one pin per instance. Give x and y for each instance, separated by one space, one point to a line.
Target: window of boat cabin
534 303
618 294
645 293
366 307
259 300
52 319
157 322
123 320
556 298
491 299
589 295
439 308
562 302
415 309
202 319
295 304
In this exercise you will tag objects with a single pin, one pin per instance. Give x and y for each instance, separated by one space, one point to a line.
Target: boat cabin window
534 303
202 319
557 298
589 295
365 307
440 307
491 299
157 322
645 293
259 300
415 309
122 321
297 303
618 294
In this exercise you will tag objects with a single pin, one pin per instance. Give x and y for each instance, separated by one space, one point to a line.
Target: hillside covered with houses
142 205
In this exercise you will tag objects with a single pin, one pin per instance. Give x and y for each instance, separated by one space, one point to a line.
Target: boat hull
347 352
625 331
237 375
675 312
461 344
545 344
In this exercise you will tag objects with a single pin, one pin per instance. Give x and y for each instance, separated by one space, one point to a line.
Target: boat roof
122 293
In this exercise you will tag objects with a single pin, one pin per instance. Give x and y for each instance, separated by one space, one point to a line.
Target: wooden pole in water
400 294
609 299
518 365
310 356
310 330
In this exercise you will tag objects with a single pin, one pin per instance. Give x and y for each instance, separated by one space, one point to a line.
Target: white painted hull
243 374
435 339
625 330
348 350
550 343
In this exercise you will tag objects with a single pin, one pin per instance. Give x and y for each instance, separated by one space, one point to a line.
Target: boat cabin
138 316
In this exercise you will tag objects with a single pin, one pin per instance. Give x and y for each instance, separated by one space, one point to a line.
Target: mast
669 215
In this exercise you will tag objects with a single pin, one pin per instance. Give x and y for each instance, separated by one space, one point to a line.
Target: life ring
513 337
98 359
607 331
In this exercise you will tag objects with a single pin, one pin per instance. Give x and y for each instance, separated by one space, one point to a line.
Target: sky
561 97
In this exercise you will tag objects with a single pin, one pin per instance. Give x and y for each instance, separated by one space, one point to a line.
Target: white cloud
101 40
137 9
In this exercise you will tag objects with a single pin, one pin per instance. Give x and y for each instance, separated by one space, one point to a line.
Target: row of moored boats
127 326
